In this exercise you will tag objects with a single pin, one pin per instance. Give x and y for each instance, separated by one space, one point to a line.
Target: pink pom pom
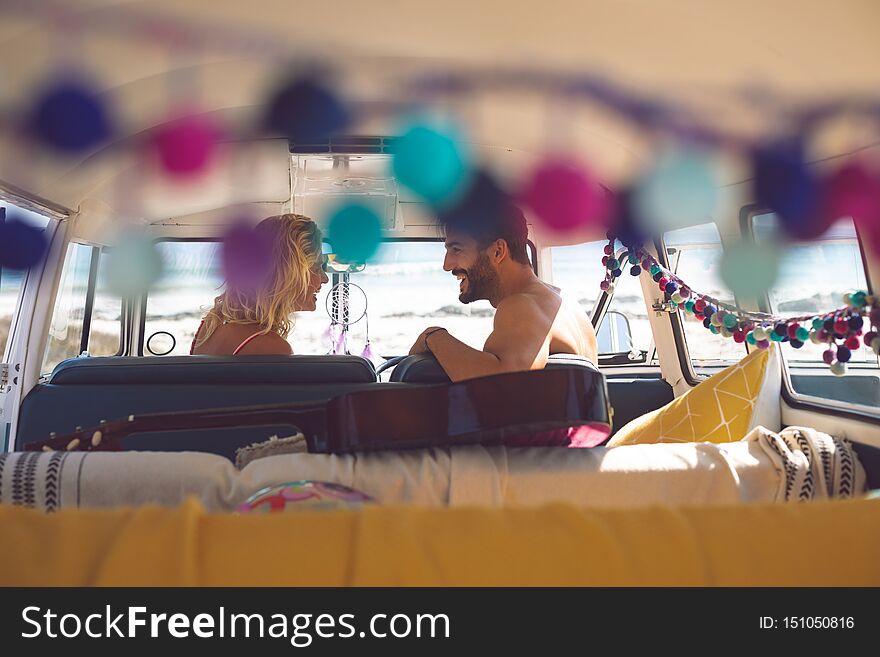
763 344
662 282
564 195
604 285
828 356
851 191
852 343
186 145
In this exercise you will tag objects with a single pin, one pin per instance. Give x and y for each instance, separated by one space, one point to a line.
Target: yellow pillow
721 409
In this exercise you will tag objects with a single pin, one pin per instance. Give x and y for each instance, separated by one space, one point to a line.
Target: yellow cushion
721 409
744 545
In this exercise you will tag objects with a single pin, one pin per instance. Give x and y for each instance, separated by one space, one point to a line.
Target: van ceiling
693 52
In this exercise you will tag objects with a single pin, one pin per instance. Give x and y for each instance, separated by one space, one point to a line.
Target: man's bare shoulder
518 303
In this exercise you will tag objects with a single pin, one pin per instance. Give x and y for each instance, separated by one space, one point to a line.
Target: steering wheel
388 364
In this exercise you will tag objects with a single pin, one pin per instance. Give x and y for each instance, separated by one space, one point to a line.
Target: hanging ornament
784 183
305 111
681 190
69 116
484 202
186 145
246 256
850 191
355 232
431 161
750 270
346 305
622 220
564 195
840 329
22 245
134 264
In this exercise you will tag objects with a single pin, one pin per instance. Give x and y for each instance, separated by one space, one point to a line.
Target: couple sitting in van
488 257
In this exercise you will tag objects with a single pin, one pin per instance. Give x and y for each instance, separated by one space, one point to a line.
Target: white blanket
631 476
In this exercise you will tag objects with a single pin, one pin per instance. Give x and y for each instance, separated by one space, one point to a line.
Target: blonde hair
296 248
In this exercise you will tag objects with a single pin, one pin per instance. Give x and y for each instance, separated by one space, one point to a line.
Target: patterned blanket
815 466
797 464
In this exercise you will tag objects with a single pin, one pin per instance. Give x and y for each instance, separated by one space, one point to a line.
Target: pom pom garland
839 329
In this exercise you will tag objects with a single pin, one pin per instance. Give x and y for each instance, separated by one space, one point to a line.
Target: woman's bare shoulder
269 344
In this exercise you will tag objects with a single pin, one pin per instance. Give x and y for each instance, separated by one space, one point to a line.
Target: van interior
96 333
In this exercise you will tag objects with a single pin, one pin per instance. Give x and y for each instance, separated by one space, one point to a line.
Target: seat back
211 370
424 368
82 392
630 396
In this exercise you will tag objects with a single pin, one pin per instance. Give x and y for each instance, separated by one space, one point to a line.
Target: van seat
630 396
424 368
213 370
83 391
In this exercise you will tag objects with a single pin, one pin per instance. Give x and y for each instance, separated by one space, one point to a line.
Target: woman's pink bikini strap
242 345
192 347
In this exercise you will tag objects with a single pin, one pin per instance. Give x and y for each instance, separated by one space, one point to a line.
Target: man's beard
482 281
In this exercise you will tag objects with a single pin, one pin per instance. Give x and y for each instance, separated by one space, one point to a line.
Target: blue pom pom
635 270
707 322
306 112
781 328
355 233
484 204
856 322
21 245
797 344
616 273
69 117
843 354
670 287
785 184
709 310
432 163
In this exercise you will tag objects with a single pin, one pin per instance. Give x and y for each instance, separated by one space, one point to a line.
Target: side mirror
614 335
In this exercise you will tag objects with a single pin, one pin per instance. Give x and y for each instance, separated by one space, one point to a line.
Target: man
488 255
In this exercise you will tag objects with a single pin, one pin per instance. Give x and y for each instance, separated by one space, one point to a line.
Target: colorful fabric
723 408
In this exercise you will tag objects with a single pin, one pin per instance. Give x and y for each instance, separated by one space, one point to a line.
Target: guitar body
542 407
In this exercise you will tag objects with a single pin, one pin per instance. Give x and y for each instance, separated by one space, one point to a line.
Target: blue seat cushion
213 370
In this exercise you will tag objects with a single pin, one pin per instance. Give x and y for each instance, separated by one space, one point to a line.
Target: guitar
558 407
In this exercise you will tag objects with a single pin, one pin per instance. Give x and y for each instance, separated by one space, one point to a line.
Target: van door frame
33 310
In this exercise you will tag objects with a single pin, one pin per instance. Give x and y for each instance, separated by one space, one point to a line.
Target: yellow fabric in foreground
815 544
718 410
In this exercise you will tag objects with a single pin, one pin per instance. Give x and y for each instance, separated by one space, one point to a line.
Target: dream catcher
347 305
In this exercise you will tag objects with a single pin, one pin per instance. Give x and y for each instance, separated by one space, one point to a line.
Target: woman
256 321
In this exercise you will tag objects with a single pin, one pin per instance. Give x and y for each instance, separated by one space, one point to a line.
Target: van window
11 280
86 317
190 281
625 328
802 289
694 254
